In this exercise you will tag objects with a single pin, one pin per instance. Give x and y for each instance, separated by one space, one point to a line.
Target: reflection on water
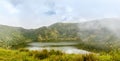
67 47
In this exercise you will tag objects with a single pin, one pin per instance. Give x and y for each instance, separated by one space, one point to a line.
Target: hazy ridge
104 31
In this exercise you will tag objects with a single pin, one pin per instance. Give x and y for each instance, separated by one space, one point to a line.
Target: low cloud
36 13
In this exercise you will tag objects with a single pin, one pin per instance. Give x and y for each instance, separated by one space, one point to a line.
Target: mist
35 13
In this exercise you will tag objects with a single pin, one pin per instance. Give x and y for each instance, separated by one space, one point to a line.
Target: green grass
10 55
44 55
52 55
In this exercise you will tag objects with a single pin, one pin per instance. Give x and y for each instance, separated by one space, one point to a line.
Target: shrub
53 52
105 58
90 57
39 54
23 50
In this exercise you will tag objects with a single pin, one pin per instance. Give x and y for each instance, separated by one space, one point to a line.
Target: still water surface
67 47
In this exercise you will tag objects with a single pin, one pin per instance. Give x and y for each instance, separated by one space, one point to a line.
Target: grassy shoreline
53 55
44 55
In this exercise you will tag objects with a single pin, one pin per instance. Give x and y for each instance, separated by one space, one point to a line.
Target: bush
23 50
105 58
39 54
90 57
53 52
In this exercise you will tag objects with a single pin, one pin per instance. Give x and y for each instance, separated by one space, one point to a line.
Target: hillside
93 33
58 32
13 36
10 36
100 34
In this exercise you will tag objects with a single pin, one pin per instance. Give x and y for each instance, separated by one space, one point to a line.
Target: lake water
67 47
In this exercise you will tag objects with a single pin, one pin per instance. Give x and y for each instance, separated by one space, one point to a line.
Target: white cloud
8 14
36 13
9 21
8 7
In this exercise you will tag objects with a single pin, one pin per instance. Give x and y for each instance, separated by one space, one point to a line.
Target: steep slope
95 29
13 36
100 34
96 32
58 32
10 36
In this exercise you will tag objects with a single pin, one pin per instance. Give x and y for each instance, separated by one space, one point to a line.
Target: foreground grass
52 55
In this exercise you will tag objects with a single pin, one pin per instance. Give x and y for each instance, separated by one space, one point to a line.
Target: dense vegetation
52 55
94 38
10 37
90 38
58 32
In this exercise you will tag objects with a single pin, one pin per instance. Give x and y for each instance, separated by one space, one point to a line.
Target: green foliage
115 55
23 50
10 55
98 39
90 57
105 58
40 54
52 55
53 52
58 32
12 37
44 55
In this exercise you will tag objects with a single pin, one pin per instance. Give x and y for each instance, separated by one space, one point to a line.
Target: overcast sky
37 13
